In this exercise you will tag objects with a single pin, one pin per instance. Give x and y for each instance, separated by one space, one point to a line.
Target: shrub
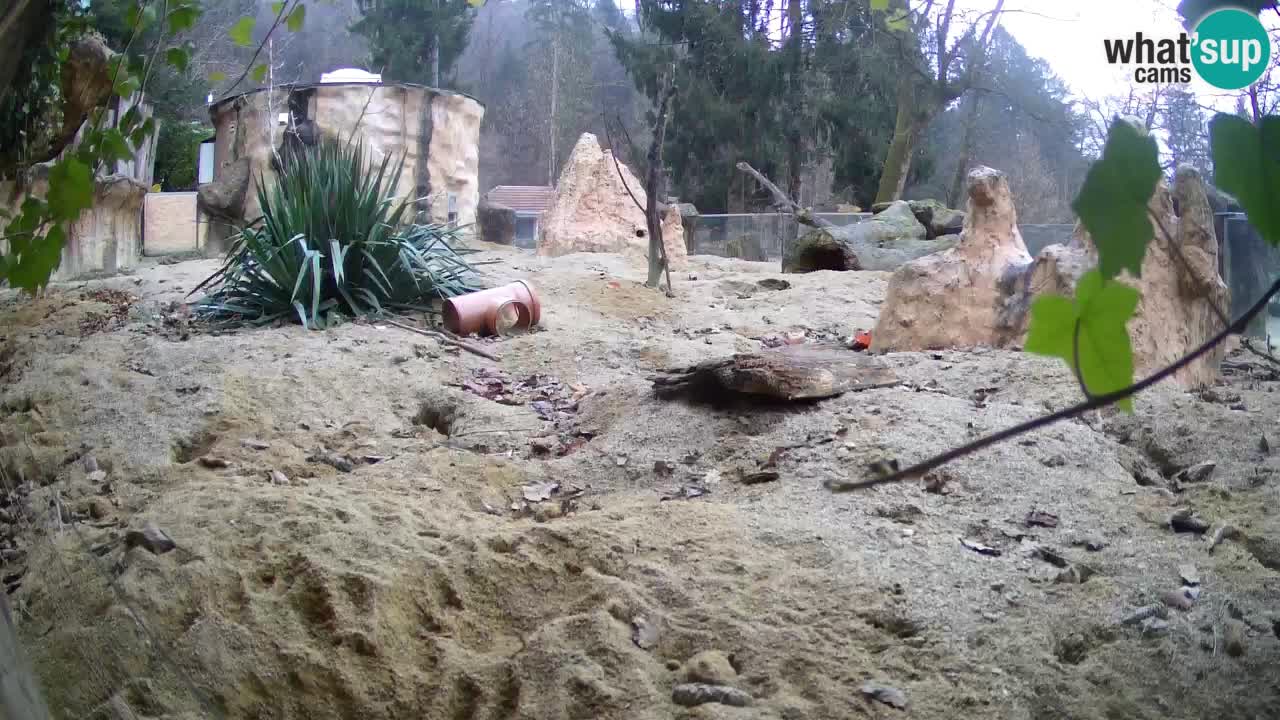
334 241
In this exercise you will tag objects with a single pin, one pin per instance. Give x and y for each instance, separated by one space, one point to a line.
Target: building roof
523 198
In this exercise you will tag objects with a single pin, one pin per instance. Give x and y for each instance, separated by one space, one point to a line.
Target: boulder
593 210
497 223
938 219
883 242
1178 286
964 296
224 197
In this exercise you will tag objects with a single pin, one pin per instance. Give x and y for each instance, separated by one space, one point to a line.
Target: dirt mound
369 525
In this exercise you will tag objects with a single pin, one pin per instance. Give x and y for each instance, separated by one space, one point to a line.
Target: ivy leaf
880 5
178 57
296 18
126 86
899 23
260 73
131 118
37 261
1103 310
113 147
478 3
183 18
139 136
70 189
276 8
217 76
1246 164
1112 204
242 32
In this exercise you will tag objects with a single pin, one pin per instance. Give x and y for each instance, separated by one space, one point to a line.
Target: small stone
1144 613
253 444
1185 520
1233 638
213 463
1189 574
710 667
278 478
891 696
98 508
1196 473
1264 446
150 538
694 694
1074 575
90 464
1042 519
1154 627
97 476
1179 599
644 633
620 460
663 468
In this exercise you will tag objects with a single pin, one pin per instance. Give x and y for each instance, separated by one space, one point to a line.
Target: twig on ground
1098 402
446 339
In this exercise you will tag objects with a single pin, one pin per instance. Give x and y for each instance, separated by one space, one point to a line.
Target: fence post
20 697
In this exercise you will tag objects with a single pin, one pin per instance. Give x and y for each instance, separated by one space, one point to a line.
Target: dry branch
445 339
802 215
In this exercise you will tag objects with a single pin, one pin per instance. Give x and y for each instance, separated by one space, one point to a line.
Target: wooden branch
802 216
445 339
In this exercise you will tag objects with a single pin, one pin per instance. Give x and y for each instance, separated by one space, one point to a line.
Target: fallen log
796 372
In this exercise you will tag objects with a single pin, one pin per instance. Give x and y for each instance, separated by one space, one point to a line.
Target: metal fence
751 236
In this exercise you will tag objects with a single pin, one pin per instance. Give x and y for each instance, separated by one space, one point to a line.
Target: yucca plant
333 241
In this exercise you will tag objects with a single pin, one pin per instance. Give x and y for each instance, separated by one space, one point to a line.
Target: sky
1068 34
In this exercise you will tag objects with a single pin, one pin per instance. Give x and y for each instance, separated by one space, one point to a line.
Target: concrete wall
172 223
436 132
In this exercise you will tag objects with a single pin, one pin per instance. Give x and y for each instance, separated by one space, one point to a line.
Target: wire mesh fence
752 236
1249 265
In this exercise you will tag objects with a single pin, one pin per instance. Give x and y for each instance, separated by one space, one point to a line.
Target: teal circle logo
1232 49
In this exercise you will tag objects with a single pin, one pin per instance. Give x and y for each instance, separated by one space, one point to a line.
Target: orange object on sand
861 340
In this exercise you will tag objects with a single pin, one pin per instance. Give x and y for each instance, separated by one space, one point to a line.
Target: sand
409 587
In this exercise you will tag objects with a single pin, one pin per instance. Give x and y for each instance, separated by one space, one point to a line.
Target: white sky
1068 34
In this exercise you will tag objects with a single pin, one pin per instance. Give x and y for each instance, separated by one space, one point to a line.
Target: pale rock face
961 297
594 212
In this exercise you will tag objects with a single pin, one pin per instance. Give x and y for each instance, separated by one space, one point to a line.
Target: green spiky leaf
259 73
1112 204
880 5
242 32
1103 310
1246 163
297 17
70 189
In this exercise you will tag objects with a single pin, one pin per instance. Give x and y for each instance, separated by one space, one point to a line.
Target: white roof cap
350 75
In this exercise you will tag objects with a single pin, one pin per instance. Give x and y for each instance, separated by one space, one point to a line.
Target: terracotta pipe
513 306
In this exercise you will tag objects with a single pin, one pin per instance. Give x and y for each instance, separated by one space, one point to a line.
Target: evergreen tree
414 40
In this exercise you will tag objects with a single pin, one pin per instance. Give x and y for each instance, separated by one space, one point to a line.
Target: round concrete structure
437 133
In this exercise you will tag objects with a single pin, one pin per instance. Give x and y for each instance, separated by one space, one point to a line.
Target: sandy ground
409 587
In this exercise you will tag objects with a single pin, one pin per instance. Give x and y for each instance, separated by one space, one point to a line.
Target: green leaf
178 57
70 189
183 18
478 3
296 18
880 5
260 73
242 32
131 118
38 260
1246 164
113 147
277 8
899 23
1112 204
126 86
139 136
217 76
1103 310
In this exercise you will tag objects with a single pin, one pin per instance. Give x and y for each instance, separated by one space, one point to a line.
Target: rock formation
964 296
938 219
1180 284
979 292
497 223
594 212
883 242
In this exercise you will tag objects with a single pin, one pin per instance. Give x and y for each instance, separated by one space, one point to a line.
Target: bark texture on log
797 372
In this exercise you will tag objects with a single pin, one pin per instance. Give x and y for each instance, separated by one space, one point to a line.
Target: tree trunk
653 189
897 162
555 91
956 195
22 22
